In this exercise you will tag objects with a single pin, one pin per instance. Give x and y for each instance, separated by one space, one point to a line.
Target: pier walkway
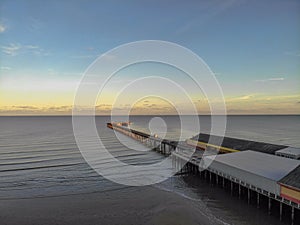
260 177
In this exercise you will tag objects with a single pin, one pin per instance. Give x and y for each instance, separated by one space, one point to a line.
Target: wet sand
134 205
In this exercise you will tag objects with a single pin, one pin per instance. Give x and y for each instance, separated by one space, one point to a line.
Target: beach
132 205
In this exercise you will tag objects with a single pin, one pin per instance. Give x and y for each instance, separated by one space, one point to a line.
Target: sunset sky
253 47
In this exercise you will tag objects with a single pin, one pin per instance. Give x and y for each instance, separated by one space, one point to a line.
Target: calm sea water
39 157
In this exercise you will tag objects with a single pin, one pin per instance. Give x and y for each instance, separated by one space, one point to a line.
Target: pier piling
177 150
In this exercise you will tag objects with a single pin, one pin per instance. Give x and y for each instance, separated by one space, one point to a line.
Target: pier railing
185 162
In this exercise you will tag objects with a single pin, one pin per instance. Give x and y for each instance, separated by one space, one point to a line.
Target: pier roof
292 179
240 144
255 168
289 152
266 165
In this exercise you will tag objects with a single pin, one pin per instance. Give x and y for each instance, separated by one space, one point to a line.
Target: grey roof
259 169
265 165
290 151
240 144
292 179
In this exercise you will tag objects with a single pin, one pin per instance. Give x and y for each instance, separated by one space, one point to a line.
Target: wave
41 167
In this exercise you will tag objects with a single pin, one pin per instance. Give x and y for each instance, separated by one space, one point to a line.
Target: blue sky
252 46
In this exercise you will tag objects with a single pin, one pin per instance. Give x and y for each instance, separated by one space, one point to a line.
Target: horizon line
70 115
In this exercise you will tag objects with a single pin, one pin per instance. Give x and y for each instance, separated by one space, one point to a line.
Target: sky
253 48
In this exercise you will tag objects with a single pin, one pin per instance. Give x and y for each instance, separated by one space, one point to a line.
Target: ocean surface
39 158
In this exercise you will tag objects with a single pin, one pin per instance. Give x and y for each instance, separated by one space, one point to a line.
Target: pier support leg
239 190
231 187
210 177
257 200
249 196
269 206
173 162
217 179
280 211
292 215
223 182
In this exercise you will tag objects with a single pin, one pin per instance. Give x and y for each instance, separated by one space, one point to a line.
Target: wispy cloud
88 53
271 79
11 49
5 68
35 24
207 12
84 56
14 49
25 107
90 48
39 84
263 104
2 28
35 110
254 104
244 97
293 53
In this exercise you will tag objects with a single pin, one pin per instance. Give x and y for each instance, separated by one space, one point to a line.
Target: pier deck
260 189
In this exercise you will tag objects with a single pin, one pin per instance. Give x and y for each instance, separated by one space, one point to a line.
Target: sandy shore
146 205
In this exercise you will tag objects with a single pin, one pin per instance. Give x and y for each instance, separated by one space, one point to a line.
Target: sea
39 157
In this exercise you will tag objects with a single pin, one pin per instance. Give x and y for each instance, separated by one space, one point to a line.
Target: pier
264 175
